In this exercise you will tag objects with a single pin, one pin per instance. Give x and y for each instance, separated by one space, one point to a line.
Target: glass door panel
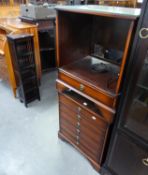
137 117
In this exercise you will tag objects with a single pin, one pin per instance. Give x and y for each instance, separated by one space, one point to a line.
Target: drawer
105 112
85 132
92 146
84 108
88 89
127 157
73 117
80 145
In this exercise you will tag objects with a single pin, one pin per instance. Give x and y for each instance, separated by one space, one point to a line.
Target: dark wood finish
87 97
104 110
85 127
94 84
131 129
85 152
22 51
73 35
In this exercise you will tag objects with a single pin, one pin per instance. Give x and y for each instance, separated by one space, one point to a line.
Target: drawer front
80 138
128 158
104 111
91 91
86 128
96 120
67 131
84 131
91 124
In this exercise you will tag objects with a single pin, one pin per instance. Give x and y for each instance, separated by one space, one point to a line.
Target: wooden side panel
73 36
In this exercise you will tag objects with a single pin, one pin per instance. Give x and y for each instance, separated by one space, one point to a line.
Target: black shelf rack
22 51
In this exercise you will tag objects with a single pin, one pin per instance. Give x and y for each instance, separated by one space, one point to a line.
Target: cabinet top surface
122 12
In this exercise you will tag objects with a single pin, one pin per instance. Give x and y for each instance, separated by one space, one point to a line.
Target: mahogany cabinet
93 45
128 151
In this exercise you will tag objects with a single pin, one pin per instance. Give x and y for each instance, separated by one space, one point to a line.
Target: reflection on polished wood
9 11
123 3
15 26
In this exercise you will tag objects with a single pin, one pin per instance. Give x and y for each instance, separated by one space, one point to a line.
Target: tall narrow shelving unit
22 51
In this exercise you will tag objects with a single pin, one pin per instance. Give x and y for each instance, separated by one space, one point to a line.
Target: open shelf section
86 69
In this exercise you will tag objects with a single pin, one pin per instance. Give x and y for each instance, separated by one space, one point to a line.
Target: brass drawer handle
79 109
77 142
81 88
93 117
78 117
78 131
78 124
77 137
141 33
145 161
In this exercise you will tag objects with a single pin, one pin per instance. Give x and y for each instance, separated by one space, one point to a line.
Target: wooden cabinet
92 50
46 33
128 153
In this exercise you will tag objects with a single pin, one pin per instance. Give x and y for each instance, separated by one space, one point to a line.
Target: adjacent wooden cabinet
128 153
93 45
46 33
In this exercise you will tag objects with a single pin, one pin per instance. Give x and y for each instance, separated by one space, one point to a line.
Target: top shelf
99 10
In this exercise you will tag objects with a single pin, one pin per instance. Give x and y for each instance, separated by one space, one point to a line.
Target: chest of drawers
82 124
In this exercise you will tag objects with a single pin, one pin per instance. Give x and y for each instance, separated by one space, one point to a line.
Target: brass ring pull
79 117
145 161
79 109
77 142
81 88
142 32
77 137
78 131
78 124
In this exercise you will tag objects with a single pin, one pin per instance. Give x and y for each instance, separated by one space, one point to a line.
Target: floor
29 144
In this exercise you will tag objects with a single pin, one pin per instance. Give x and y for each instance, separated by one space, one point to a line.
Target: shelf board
140 102
108 60
142 86
24 68
47 49
26 54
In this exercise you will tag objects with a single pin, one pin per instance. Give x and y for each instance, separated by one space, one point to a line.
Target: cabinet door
127 158
135 115
136 119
